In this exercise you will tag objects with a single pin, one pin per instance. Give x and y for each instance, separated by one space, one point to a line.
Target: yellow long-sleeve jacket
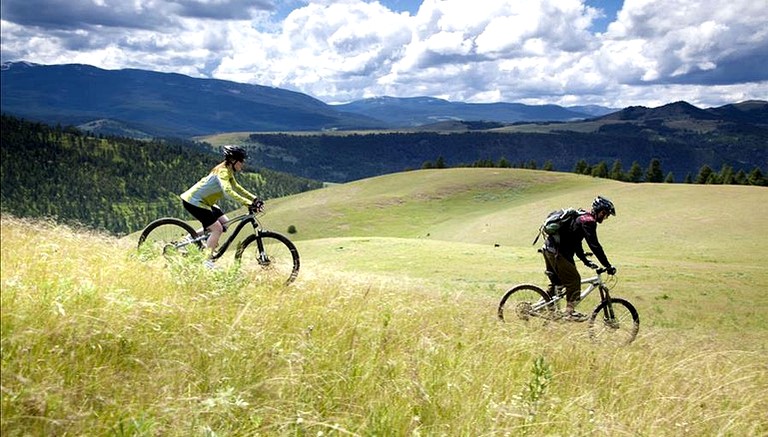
208 190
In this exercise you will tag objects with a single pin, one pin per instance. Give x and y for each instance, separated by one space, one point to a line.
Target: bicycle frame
245 219
594 282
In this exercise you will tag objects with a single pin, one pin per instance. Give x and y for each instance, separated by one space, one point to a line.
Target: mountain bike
614 321
267 252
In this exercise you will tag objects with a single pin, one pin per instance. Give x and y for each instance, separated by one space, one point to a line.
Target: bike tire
159 237
272 255
614 322
519 300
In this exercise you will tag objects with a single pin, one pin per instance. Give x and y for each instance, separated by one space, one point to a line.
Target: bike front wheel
528 303
269 254
614 322
167 237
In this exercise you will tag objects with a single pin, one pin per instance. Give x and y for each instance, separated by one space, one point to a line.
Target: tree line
342 157
111 183
636 173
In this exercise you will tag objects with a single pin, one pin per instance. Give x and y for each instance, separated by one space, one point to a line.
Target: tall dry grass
96 342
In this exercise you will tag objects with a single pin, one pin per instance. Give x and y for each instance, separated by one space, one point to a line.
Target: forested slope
112 183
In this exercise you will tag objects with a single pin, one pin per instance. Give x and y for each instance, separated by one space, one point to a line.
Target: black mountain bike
267 252
614 321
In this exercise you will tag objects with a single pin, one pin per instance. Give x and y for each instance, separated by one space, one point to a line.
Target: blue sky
566 52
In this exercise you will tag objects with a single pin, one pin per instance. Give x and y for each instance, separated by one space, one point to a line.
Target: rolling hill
506 206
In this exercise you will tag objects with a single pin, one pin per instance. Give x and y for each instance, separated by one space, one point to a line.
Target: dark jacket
583 228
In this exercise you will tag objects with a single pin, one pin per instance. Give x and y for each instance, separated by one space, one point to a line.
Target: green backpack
557 220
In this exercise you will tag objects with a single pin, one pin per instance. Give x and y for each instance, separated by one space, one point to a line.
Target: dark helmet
603 204
234 153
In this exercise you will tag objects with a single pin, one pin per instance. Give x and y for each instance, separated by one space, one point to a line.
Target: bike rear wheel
528 303
614 322
270 255
167 237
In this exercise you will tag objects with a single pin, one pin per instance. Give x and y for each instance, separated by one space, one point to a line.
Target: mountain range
381 135
141 103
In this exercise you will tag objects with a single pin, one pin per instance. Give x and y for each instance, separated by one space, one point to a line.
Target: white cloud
707 52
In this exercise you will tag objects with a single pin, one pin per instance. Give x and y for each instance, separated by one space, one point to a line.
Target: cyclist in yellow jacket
200 200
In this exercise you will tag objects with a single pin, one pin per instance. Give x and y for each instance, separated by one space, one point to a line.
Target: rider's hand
591 265
257 205
611 270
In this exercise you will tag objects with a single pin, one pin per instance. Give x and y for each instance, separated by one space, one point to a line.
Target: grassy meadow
390 329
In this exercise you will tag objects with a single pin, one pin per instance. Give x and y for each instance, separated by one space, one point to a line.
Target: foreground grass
95 342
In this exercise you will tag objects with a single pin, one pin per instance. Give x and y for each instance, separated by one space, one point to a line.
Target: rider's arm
232 189
590 236
581 255
242 191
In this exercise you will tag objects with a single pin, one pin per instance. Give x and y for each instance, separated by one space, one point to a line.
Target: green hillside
505 206
444 225
390 328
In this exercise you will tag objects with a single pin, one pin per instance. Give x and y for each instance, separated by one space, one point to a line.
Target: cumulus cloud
689 41
707 52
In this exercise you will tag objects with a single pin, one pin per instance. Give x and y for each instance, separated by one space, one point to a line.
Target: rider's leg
549 263
216 229
571 279
211 220
223 220
205 216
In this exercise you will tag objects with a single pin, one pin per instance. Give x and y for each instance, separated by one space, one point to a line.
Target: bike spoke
269 259
614 323
165 240
526 304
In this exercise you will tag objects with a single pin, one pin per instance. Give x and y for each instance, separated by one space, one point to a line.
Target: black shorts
205 216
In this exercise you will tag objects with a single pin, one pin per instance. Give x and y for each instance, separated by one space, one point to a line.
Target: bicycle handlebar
602 270
256 207
598 270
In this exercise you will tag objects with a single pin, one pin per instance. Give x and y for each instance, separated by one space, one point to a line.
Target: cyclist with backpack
200 200
559 250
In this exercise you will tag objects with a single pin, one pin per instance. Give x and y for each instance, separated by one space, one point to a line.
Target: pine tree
670 179
740 178
713 179
756 177
654 173
600 170
726 175
582 167
635 173
704 172
617 172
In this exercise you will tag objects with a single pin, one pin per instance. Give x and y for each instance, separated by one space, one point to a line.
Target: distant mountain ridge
417 111
141 103
751 111
161 104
